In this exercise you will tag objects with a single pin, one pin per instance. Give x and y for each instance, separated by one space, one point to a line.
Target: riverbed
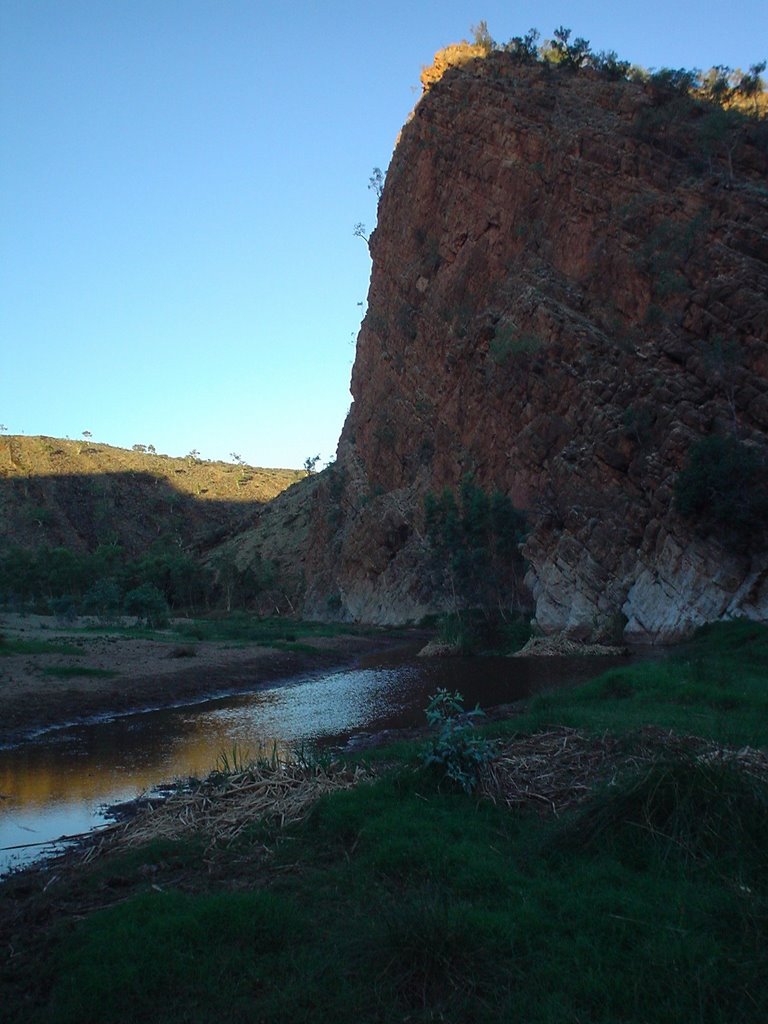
61 782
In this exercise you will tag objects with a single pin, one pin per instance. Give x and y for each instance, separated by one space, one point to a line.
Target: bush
147 602
723 488
454 751
64 609
508 343
695 810
102 600
474 546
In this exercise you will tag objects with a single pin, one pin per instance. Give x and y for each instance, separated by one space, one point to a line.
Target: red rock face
567 292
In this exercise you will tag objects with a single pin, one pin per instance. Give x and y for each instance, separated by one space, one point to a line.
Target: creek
62 782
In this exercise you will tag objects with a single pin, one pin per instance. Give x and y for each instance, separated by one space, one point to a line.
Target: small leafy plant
454 751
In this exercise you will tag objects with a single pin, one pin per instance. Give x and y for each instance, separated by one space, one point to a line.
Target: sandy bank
143 673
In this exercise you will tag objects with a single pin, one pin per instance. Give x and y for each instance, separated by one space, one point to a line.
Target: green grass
404 899
9 646
71 671
414 904
235 628
716 687
245 627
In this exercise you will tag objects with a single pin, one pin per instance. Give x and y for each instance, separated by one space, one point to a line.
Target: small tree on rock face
376 182
474 550
311 463
723 489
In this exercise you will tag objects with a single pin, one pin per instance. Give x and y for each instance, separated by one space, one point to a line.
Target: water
59 783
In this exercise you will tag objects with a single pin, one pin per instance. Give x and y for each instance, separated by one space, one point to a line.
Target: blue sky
179 182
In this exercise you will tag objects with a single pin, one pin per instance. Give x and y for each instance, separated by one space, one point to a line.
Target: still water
60 783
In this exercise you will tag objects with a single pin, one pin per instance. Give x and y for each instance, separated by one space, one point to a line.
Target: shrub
507 342
454 752
566 54
103 600
148 603
695 810
524 49
723 489
64 609
474 546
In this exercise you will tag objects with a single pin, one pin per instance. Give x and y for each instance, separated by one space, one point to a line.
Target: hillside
79 494
568 308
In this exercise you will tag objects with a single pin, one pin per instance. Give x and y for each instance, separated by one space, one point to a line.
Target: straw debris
223 807
559 768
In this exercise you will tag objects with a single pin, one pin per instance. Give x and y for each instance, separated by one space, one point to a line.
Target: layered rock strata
569 289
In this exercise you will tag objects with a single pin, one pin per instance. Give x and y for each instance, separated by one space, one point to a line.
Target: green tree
720 132
148 604
723 489
524 49
750 85
609 65
474 547
64 571
717 85
376 182
19 575
561 51
482 37
102 599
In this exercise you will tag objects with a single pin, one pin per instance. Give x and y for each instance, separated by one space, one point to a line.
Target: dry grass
559 768
552 770
223 807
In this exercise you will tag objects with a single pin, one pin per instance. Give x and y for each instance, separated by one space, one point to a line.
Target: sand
143 673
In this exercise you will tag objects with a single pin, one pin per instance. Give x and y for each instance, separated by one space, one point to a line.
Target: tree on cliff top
720 85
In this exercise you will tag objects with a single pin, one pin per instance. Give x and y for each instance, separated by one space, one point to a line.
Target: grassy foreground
405 900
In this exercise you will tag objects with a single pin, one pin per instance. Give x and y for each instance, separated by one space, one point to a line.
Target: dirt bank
122 673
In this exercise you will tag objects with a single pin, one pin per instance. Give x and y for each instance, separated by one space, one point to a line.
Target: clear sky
179 182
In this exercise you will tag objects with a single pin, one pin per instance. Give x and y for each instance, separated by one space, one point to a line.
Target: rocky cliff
569 289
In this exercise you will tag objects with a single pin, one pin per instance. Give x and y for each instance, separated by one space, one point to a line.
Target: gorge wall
569 289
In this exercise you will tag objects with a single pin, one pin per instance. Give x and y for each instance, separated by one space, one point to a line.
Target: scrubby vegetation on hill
721 104
88 528
729 88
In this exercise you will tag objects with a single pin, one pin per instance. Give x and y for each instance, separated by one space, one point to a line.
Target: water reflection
56 784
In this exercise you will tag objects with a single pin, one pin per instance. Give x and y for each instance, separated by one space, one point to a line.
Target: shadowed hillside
90 529
79 495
